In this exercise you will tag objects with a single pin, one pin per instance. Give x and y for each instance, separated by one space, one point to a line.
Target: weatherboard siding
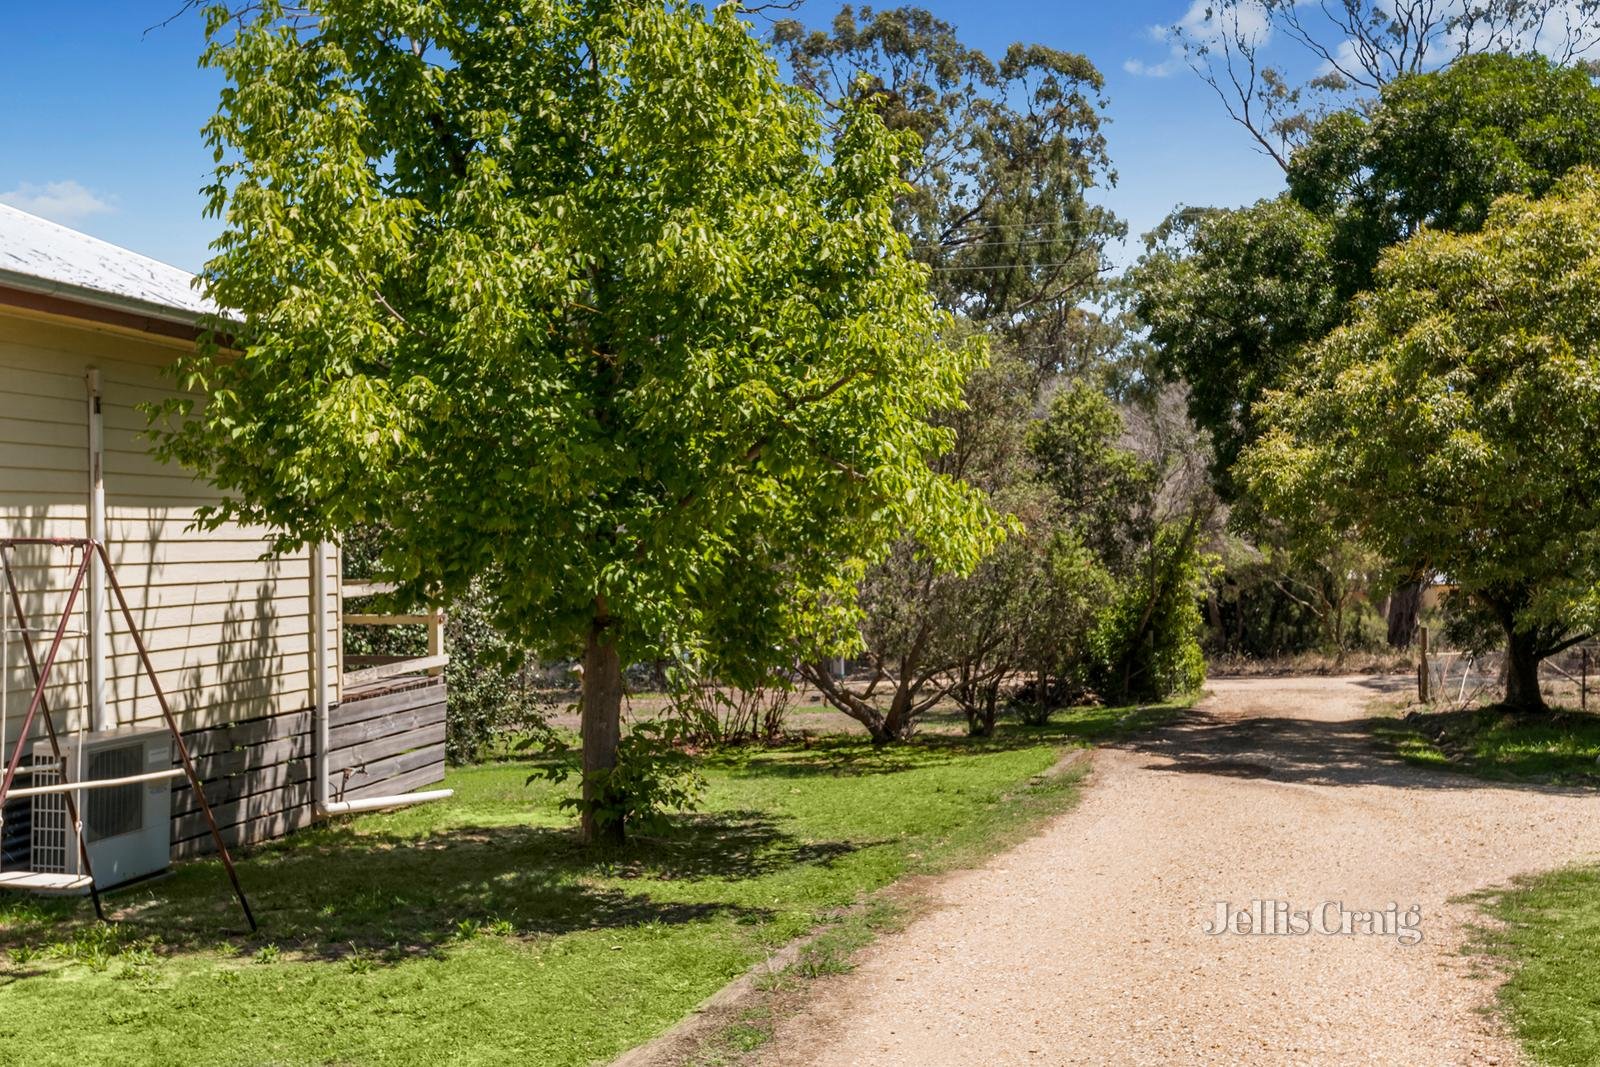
258 772
229 632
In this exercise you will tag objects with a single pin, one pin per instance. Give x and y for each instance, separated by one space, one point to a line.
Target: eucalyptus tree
1230 297
999 199
571 297
1451 420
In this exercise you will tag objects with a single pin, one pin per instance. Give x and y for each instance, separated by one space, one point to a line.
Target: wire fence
1453 679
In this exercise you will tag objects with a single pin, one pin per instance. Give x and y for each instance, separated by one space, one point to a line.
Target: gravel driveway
1087 944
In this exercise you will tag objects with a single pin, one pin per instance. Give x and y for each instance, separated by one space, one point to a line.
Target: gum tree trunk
600 728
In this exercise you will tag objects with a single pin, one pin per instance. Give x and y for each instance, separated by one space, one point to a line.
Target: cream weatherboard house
245 647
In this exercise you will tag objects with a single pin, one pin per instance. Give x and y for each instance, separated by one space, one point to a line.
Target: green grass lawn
475 930
1559 747
1547 932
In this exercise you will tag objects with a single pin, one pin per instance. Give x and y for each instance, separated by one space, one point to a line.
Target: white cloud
1142 69
1206 24
65 202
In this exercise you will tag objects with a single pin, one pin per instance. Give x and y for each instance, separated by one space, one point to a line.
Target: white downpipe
326 806
319 640
95 603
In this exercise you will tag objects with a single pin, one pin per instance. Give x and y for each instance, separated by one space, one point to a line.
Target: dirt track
1086 944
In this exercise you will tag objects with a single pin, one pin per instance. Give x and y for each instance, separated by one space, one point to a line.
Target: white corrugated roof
47 257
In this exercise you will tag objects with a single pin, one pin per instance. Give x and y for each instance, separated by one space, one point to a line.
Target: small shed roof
45 257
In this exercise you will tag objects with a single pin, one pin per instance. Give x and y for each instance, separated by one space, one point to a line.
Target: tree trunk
991 699
1522 672
897 723
1404 605
1214 615
601 730
843 700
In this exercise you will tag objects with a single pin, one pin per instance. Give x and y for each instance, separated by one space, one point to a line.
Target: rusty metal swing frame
91 550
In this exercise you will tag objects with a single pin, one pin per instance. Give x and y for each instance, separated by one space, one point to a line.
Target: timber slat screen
258 772
372 669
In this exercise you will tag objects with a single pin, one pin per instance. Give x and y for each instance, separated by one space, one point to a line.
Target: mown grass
476 930
1559 747
1546 930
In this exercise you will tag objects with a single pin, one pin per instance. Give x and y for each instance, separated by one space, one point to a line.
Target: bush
719 714
490 690
653 776
1146 643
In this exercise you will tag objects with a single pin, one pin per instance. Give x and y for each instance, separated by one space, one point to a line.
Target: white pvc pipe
94 783
400 800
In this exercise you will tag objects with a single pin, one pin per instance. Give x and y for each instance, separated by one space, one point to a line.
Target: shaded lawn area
475 930
1547 932
1490 742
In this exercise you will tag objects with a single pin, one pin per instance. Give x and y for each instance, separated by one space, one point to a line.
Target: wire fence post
1583 686
1422 664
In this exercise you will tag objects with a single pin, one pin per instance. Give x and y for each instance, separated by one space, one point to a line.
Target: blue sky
100 128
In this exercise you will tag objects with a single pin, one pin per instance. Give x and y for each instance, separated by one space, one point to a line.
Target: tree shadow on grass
336 892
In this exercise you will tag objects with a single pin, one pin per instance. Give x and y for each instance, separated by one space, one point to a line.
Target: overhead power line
996 244
1013 266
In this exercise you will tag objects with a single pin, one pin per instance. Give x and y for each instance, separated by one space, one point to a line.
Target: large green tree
1435 150
1453 420
1228 298
572 297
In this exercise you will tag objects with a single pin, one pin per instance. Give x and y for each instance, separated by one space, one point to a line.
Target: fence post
1422 664
1583 688
435 638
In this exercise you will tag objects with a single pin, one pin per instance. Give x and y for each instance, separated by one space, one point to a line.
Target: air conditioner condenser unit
127 828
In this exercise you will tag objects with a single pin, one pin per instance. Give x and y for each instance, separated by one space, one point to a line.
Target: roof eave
76 301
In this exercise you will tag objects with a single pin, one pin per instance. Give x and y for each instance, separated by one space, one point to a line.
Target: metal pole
15 601
177 736
1422 665
80 785
44 675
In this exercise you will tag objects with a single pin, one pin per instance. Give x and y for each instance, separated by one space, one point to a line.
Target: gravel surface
1087 944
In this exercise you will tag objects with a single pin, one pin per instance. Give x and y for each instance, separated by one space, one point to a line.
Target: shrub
717 714
489 683
653 776
1146 642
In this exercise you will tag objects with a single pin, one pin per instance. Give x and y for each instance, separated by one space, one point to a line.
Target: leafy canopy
1231 298
1436 150
570 295
1453 419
